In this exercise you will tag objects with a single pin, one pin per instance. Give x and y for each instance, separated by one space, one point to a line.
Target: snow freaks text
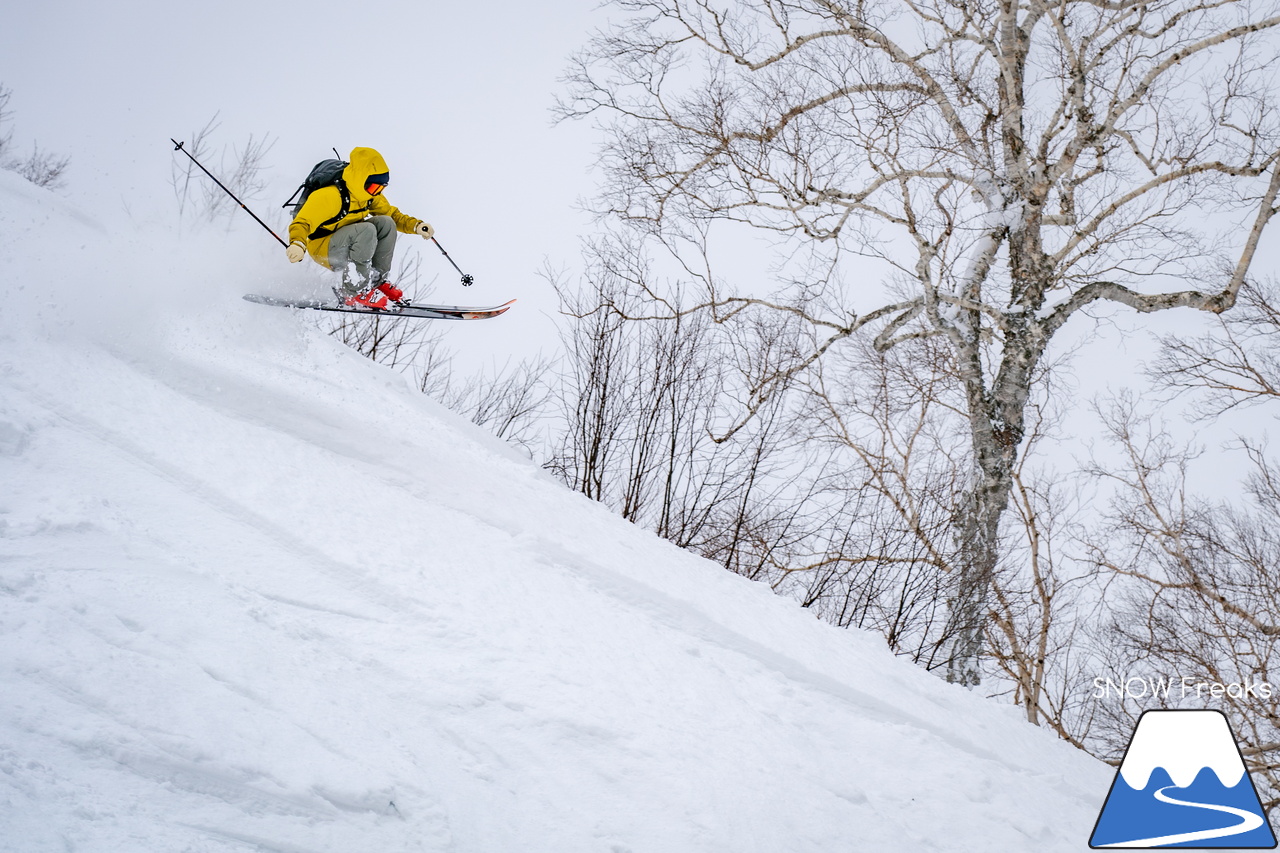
1161 687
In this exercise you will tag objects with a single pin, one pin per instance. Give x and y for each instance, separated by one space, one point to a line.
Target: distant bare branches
509 402
1195 591
1236 364
42 168
239 168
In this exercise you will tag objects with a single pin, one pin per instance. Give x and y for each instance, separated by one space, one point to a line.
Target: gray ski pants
365 246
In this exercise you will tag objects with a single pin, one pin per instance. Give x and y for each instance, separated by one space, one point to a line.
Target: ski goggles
375 184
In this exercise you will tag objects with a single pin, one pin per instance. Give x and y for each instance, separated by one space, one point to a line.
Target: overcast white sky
455 95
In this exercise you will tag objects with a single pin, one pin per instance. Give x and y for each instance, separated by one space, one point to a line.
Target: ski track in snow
665 610
216 500
668 612
676 615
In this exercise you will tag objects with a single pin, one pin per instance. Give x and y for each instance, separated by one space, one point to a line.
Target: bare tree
1196 598
1016 165
839 492
6 116
39 167
642 409
239 168
896 468
1040 636
510 402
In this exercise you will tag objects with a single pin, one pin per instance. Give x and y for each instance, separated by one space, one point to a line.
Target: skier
352 229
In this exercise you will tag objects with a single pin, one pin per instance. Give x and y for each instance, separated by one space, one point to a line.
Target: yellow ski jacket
326 203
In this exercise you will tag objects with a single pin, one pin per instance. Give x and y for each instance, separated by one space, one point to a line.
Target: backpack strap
296 193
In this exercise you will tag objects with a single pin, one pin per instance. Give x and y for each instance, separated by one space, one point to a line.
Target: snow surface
257 594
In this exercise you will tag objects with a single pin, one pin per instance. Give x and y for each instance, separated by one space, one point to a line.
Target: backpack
326 173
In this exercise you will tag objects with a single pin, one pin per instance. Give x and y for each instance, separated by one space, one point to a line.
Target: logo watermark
1182 783
1179 687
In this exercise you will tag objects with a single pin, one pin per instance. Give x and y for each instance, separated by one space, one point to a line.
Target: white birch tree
1018 163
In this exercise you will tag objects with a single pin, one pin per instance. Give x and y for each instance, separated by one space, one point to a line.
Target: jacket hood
363 163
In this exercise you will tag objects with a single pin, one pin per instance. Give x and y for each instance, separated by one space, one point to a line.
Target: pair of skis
393 309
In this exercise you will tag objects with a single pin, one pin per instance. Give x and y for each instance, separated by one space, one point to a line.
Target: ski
423 312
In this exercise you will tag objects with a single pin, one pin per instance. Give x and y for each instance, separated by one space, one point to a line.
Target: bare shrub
40 167
240 169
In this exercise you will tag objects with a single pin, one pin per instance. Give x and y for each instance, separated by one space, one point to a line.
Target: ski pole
177 146
466 279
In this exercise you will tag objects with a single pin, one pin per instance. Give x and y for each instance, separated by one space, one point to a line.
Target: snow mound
256 593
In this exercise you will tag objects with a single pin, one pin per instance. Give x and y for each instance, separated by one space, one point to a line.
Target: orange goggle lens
374 189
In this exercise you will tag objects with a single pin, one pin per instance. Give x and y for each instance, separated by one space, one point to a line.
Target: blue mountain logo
1183 783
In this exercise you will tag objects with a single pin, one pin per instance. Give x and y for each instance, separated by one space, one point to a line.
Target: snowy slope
256 594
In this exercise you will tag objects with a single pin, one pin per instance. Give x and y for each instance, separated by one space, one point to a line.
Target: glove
425 230
296 252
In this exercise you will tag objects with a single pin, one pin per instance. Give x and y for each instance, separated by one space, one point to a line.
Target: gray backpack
326 173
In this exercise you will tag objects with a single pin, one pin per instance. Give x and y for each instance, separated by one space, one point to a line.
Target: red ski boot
372 299
390 291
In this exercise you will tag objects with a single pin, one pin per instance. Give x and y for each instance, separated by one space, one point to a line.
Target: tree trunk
968 605
996 418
